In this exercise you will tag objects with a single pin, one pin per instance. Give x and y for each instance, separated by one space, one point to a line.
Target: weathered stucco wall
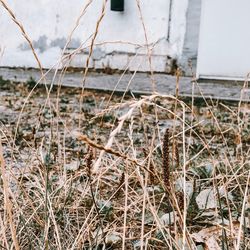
188 60
120 42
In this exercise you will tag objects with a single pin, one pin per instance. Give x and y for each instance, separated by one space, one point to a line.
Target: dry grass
56 194
97 172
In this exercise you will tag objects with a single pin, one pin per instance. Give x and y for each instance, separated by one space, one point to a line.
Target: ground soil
40 147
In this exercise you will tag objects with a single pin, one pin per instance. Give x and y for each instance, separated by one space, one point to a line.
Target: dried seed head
165 160
89 161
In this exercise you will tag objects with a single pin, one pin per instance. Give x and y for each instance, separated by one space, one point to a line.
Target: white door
224 44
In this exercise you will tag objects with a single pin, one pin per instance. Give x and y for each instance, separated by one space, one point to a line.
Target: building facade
149 35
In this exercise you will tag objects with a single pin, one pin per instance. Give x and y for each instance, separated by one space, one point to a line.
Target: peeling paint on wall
120 42
42 44
39 44
58 42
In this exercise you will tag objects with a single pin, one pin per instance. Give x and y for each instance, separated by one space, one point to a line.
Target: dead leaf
215 232
212 244
207 199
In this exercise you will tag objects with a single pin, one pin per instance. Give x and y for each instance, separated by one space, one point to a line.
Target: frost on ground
84 171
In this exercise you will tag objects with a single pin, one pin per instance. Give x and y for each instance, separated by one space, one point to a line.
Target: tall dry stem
7 202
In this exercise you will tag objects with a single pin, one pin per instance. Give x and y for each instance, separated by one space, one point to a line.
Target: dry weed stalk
25 35
8 206
165 160
84 223
89 159
121 182
149 50
90 53
108 150
151 166
133 106
177 155
177 83
177 199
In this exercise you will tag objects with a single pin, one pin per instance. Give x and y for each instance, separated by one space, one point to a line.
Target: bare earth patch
95 171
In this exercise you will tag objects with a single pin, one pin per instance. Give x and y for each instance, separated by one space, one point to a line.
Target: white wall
224 39
118 44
